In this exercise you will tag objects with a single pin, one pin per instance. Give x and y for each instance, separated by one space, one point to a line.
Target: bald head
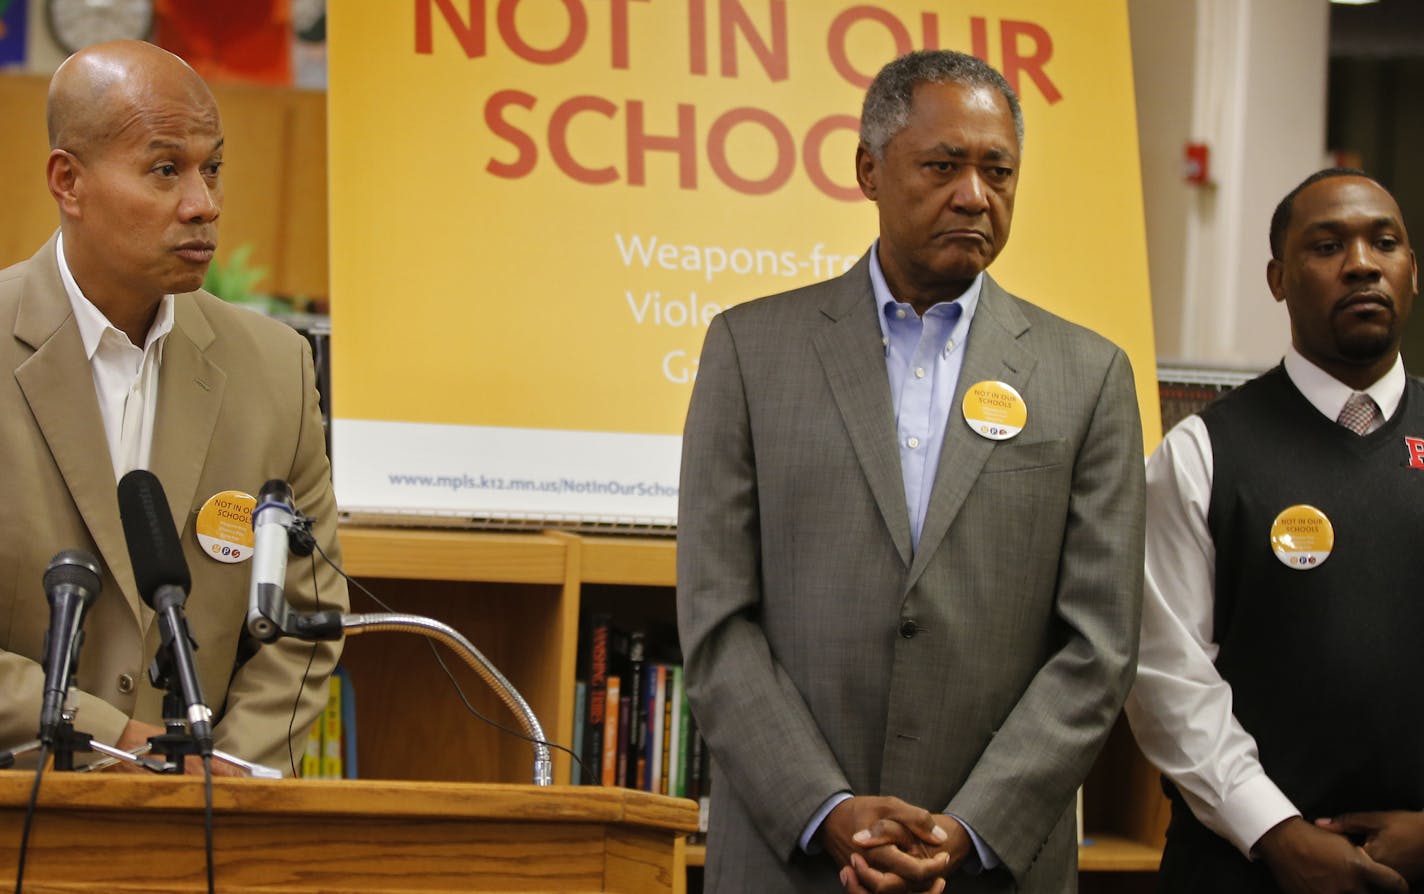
104 90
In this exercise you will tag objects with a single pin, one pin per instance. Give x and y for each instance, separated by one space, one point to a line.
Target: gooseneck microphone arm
276 525
444 633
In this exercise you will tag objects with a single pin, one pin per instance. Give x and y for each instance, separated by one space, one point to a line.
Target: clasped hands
887 846
1322 858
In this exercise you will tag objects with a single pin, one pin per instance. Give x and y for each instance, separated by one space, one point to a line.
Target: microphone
163 583
71 584
275 525
271 522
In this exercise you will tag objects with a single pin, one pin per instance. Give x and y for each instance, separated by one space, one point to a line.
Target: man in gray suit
910 537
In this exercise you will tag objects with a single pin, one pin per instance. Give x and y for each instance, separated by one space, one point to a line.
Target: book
625 712
655 677
597 697
677 785
348 725
580 706
694 758
610 731
667 731
311 755
332 729
635 761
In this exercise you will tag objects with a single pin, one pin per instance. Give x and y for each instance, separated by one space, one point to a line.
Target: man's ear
867 171
63 174
1275 275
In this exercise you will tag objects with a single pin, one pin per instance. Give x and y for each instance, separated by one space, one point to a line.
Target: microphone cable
306 674
29 818
208 818
519 734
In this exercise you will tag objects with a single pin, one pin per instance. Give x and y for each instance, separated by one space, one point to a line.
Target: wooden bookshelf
518 597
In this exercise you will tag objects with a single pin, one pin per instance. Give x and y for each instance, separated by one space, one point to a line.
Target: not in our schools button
224 526
994 410
1302 537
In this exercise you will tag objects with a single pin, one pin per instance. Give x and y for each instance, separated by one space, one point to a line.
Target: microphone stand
177 741
68 742
330 625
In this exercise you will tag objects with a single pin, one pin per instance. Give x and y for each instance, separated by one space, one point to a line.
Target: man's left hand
1392 837
891 859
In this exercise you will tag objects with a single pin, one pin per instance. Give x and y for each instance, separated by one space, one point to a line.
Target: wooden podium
128 833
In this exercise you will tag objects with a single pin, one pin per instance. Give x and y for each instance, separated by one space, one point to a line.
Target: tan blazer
237 406
977 675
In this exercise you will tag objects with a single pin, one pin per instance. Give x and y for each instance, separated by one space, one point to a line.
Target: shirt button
908 628
899 313
126 683
912 443
919 372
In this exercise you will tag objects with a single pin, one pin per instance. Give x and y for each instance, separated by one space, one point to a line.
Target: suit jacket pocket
1010 456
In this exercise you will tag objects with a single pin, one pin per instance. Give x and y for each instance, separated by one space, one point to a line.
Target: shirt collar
968 300
1328 394
92 322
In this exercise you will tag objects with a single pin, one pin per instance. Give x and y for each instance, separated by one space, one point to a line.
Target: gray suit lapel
993 352
191 391
853 356
59 390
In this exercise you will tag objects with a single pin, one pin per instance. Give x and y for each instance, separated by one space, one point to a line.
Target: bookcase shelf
518 597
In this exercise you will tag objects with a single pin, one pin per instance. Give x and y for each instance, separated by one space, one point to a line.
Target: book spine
580 707
625 712
666 737
610 732
597 698
331 731
632 777
677 785
348 726
311 757
657 674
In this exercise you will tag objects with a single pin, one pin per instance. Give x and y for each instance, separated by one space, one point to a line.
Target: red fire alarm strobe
1196 167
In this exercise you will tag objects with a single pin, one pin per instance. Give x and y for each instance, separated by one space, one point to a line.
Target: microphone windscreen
275 491
154 549
76 568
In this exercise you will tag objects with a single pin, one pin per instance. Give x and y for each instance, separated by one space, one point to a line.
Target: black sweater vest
1326 665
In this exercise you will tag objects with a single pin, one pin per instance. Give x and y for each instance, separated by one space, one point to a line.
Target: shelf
422 554
638 561
1105 853
1114 853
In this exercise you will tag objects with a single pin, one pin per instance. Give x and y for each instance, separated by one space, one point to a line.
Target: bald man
121 362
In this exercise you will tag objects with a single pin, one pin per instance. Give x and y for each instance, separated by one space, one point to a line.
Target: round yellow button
1302 537
225 526
994 410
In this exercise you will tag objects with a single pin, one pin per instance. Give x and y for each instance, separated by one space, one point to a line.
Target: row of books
633 726
331 746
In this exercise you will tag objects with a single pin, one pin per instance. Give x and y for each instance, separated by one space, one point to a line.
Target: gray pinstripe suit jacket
796 571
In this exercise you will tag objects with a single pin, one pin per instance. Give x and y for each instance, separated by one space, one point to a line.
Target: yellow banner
537 206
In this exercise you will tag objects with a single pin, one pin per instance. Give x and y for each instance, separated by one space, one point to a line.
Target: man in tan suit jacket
135 170
903 680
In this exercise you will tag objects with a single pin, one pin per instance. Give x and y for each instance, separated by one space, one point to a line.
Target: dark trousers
1198 861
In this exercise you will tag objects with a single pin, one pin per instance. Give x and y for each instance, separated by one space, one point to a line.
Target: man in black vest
1281 680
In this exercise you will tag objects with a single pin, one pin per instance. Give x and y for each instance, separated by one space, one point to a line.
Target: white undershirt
125 376
1180 708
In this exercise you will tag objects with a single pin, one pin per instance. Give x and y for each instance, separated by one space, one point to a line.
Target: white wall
1247 77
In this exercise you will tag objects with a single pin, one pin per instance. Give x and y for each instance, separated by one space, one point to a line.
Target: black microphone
71 584
163 583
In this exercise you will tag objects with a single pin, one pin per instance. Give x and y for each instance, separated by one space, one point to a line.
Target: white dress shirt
125 376
1180 708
